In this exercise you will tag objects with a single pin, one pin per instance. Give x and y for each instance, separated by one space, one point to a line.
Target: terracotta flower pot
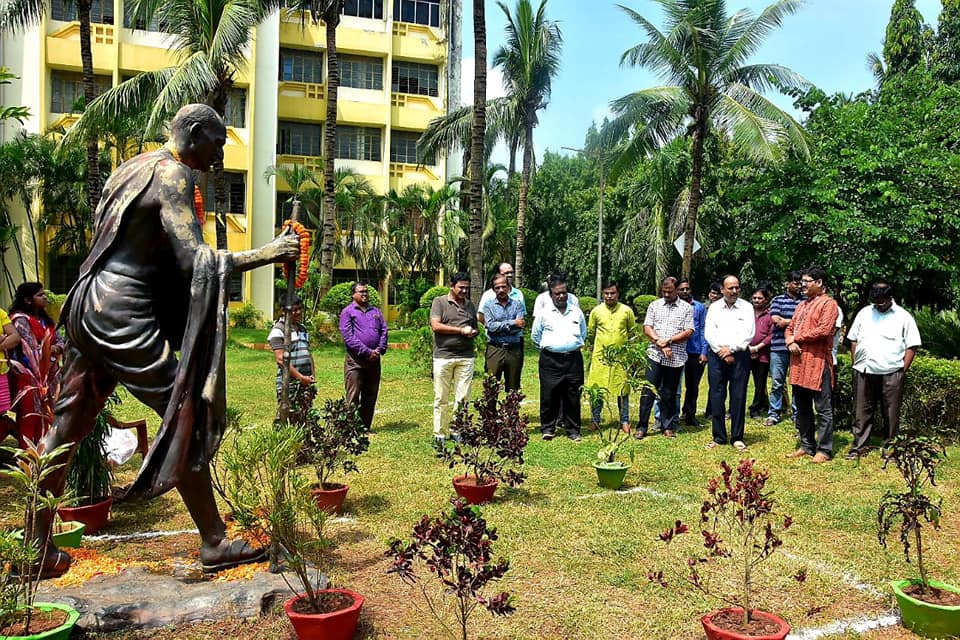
468 489
95 516
336 625
924 618
330 496
59 633
716 633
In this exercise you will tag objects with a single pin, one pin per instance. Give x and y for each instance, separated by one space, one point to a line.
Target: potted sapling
334 436
489 442
739 527
610 470
928 607
456 547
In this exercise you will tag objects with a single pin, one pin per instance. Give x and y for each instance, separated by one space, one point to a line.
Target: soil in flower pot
46 621
330 497
473 492
939 597
727 624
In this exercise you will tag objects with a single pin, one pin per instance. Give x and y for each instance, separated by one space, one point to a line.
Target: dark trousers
666 380
692 373
819 439
761 401
723 376
361 380
506 363
868 388
561 376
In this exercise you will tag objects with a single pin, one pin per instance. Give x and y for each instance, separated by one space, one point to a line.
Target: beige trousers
454 374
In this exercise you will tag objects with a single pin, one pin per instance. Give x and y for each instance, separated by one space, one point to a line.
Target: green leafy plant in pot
610 470
927 607
492 435
740 527
90 476
334 436
22 558
270 500
456 547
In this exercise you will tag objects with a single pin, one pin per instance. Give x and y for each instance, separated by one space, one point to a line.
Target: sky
827 42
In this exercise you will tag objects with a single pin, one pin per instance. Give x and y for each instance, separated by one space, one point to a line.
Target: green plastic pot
925 619
610 475
60 633
66 534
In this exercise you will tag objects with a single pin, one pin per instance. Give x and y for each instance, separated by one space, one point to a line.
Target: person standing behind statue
883 342
9 338
301 360
503 318
781 311
760 350
560 333
364 332
453 319
809 338
610 325
729 329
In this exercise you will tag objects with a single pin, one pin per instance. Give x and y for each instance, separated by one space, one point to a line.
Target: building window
417 11
358 143
412 77
130 21
236 186
363 8
101 11
403 148
62 271
361 72
297 65
66 90
236 286
298 138
236 112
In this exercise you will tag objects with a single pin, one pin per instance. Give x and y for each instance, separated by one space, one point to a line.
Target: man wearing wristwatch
729 329
668 324
453 319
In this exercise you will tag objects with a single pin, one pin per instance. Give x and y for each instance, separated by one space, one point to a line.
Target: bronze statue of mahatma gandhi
151 287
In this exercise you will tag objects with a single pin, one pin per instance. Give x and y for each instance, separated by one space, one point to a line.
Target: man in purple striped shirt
364 332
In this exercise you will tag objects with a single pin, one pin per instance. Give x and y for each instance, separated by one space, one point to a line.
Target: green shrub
420 318
421 351
640 304
931 398
587 303
940 332
529 298
433 292
247 317
339 296
410 291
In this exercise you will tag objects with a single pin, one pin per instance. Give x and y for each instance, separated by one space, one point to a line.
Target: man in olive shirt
453 319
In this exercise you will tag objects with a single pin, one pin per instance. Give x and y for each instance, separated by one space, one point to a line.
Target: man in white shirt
559 333
729 329
883 342
504 269
544 302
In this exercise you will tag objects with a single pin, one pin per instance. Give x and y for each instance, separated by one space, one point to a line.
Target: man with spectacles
781 311
364 332
883 341
809 338
504 269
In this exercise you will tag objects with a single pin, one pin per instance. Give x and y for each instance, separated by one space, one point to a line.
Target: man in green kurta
610 325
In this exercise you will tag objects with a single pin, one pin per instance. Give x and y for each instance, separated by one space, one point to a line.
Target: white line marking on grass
143 535
637 489
847 577
858 625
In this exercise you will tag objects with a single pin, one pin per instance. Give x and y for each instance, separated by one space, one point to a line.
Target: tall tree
903 43
478 130
703 52
209 40
946 50
530 58
17 15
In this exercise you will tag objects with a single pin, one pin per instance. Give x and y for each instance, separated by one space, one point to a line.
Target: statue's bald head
199 134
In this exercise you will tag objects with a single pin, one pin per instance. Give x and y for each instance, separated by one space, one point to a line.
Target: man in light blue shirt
504 269
503 318
560 332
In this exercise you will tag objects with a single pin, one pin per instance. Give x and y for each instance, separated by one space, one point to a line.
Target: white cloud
600 112
494 82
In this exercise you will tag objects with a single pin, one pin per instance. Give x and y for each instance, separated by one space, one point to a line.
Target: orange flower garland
304 261
198 205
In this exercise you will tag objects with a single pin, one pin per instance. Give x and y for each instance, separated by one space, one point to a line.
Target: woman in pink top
760 351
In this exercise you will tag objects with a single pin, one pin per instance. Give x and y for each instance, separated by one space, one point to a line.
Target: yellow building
399 69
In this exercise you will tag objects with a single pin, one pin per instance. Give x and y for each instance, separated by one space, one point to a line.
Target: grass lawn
579 554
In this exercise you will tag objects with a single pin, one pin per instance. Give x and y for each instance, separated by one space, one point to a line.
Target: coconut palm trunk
696 180
89 93
476 148
331 18
525 176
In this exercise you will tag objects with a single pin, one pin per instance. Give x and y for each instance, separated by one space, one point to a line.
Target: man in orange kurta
809 339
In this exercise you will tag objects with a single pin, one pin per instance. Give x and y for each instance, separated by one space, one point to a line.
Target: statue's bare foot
229 554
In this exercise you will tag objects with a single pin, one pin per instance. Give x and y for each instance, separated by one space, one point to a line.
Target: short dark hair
816 273
794 275
297 300
498 276
611 283
358 283
668 280
716 287
763 289
881 289
459 276
555 278
683 281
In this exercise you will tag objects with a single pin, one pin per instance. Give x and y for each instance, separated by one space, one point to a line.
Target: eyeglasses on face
807 280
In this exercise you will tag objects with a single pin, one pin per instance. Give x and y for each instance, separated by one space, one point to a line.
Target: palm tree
424 230
17 15
530 59
478 131
703 53
208 39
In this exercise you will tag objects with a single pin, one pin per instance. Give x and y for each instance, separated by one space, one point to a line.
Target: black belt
505 345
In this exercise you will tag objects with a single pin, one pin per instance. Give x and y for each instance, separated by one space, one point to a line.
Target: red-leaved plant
492 436
457 547
737 523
